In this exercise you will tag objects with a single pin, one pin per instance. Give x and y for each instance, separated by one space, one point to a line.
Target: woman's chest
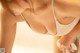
43 20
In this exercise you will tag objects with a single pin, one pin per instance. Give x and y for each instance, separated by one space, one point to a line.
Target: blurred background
28 41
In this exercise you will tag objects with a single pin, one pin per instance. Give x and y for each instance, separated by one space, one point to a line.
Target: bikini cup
64 29
56 20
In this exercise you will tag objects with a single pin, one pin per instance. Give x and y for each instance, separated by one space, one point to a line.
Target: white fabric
65 29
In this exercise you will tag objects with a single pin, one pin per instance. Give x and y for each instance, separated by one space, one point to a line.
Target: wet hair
6 6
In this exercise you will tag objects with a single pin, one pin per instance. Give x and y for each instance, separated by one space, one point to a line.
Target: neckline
57 22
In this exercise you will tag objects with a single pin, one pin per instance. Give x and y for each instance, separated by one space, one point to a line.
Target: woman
39 14
67 9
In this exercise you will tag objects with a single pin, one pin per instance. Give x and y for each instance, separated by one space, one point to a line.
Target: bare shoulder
5 14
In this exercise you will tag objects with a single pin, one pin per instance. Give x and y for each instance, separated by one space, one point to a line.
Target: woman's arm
65 41
76 31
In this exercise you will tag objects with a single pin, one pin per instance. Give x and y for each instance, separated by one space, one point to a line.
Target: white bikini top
65 29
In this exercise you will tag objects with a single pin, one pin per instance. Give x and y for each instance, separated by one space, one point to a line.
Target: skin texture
65 44
62 11
40 18
7 32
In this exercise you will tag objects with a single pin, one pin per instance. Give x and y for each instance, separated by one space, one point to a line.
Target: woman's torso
41 18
